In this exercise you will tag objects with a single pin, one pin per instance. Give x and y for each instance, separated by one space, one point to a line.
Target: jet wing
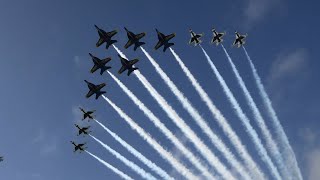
112 33
100 42
129 43
89 94
158 45
101 85
106 60
170 37
141 35
132 62
123 68
94 68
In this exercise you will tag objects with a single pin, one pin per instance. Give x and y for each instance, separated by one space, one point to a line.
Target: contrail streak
138 155
153 143
112 168
199 120
244 119
172 114
292 161
127 162
271 144
155 120
230 133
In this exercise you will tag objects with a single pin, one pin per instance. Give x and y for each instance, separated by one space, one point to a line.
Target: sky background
44 59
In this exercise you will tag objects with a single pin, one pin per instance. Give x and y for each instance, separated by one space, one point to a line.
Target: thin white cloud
257 10
288 65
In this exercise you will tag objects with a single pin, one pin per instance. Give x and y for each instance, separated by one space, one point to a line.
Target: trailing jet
1 158
105 37
240 39
164 40
83 130
134 39
99 64
94 89
195 38
87 114
78 147
127 65
217 37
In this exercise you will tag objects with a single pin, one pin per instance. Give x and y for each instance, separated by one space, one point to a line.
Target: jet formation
129 65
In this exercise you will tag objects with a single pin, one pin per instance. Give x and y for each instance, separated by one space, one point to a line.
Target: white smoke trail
244 119
138 155
115 170
153 143
172 114
199 120
271 144
292 161
235 140
127 162
189 155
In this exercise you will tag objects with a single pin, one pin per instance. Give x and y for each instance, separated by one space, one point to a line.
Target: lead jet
240 39
78 147
105 37
134 39
195 38
217 37
127 65
164 40
83 130
94 89
87 114
99 64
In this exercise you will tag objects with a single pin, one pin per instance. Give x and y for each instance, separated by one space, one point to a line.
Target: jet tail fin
100 93
103 69
110 43
131 70
167 46
138 44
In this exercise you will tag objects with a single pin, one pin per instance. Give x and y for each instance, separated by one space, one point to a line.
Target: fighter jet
78 147
127 65
164 40
83 130
217 37
105 37
195 38
1 158
99 64
240 39
134 39
94 89
87 114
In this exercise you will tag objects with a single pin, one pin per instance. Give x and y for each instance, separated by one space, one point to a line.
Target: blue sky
44 48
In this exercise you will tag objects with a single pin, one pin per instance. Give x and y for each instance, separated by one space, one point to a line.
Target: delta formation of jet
95 89
164 40
195 38
217 37
99 64
79 147
87 114
83 130
105 37
240 39
127 65
134 39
